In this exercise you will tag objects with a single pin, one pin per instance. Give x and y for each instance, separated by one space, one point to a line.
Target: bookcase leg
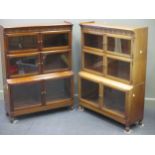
140 123
127 129
80 108
12 120
71 108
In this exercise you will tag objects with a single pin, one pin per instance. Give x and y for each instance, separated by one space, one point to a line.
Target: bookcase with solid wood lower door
37 68
112 77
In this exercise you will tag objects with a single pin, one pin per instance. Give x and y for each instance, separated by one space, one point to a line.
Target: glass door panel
93 62
19 43
58 89
55 40
26 65
93 40
56 61
119 69
114 99
117 45
25 95
90 91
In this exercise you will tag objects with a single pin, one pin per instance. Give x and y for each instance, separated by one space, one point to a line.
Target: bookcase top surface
11 26
111 26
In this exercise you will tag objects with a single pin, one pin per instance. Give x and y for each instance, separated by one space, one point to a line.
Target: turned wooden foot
80 108
71 108
127 129
12 119
140 123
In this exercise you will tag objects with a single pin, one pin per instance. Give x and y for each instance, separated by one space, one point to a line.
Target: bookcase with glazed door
112 76
37 68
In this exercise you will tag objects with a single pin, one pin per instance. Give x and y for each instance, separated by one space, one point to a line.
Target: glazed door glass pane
58 89
118 45
92 40
114 99
90 91
93 62
56 61
119 69
25 95
54 40
23 65
22 42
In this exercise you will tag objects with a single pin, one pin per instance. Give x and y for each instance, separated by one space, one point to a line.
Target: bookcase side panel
6 91
140 56
136 101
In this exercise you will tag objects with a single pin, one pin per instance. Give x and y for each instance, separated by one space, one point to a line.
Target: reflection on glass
23 65
95 41
119 45
120 69
93 62
56 61
53 40
114 99
90 91
26 95
22 43
58 89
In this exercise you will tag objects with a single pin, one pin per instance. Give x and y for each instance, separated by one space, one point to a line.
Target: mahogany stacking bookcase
112 80
37 68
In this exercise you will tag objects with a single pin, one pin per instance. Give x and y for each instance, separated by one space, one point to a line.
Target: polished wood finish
40 77
105 81
15 45
124 49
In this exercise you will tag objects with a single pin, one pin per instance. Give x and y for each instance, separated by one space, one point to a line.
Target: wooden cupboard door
26 95
93 41
53 62
118 45
58 89
94 62
51 40
90 91
119 69
23 65
114 99
22 42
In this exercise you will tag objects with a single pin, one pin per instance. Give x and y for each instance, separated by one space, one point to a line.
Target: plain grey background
150 75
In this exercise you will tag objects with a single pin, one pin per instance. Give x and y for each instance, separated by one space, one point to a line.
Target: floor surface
66 122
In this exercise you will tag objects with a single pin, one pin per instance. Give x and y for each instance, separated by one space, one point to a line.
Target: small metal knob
141 52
